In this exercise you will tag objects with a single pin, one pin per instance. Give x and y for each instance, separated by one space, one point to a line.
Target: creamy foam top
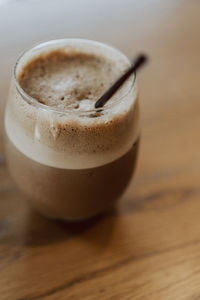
71 80
68 80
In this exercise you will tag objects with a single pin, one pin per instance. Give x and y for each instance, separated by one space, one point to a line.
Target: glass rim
34 102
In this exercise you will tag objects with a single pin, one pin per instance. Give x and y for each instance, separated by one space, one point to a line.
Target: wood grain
148 248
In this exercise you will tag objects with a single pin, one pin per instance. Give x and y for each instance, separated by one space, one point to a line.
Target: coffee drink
71 160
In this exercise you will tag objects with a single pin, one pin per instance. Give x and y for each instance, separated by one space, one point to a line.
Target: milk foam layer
65 134
67 80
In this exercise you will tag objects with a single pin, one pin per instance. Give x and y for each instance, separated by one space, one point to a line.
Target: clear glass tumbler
71 164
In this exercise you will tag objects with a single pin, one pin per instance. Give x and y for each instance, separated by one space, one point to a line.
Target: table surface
149 246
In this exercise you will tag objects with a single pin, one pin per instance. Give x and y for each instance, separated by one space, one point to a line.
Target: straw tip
143 58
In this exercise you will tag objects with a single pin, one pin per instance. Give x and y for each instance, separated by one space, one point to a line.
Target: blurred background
167 30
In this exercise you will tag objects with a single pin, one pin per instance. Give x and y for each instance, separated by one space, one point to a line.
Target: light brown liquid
70 165
71 194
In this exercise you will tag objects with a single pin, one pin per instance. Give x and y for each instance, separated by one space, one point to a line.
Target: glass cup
71 164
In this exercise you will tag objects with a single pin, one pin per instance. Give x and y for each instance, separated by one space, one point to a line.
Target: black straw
137 63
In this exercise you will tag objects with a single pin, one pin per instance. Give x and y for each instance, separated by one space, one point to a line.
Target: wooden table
148 248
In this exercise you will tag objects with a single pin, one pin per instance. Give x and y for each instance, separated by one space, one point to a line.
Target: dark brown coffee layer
68 194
